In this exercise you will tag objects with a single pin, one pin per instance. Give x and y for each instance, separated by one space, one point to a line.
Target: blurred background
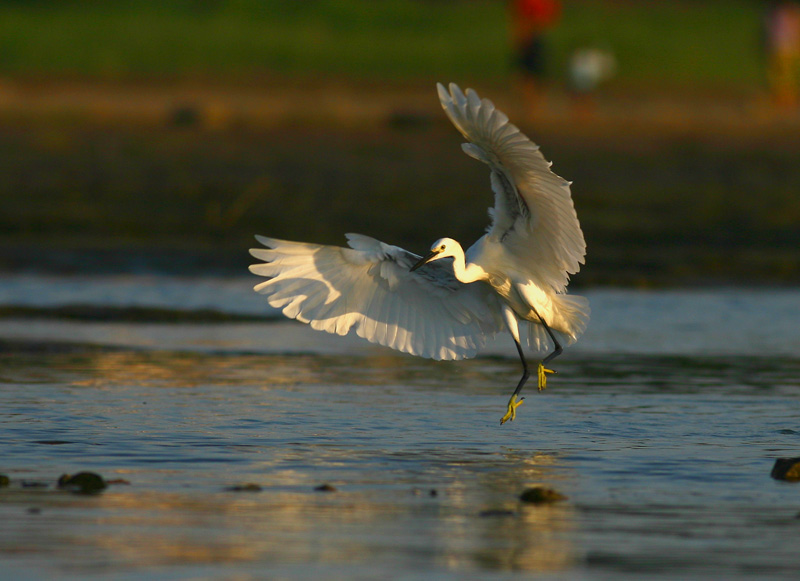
141 136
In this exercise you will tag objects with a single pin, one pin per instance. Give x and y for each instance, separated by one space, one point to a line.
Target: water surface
661 429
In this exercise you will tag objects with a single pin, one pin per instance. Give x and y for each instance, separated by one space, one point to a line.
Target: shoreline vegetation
112 160
99 177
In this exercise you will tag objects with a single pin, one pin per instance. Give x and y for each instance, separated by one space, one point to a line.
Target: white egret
515 276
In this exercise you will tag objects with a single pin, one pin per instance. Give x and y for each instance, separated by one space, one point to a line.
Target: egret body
513 277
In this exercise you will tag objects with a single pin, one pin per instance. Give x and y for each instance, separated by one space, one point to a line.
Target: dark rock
541 495
786 469
4 480
249 487
325 488
82 483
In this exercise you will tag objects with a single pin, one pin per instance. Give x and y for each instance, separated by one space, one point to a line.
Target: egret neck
447 247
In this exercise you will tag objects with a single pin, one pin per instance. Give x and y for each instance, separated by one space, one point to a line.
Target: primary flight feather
513 277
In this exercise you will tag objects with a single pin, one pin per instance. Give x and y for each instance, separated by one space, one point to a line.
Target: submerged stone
786 469
541 495
325 488
249 487
82 482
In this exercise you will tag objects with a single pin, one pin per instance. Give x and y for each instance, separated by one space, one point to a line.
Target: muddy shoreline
175 179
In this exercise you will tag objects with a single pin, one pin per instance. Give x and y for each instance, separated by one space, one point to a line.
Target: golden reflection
504 533
109 369
151 529
536 540
475 522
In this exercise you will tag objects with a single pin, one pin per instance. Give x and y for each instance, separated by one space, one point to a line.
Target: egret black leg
513 404
525 372
557 350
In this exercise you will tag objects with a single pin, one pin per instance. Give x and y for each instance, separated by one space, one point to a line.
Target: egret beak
424 260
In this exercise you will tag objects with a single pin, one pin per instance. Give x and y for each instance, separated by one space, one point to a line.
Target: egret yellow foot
513 404
543 376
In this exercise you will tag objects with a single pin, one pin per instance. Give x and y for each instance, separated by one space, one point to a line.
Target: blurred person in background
782 39
589 67
530 21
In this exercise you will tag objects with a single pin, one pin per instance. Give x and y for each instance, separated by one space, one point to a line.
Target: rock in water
82 482
249 487
786 469
541 495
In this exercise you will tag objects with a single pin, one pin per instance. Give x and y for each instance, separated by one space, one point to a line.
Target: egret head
442 248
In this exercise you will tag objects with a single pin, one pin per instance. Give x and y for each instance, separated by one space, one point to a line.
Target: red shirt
539 12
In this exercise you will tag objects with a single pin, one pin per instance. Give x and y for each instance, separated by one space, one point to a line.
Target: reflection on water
661 458
661 429
135 530
182 428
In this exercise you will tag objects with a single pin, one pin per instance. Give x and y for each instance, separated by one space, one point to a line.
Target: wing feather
368 289
533 216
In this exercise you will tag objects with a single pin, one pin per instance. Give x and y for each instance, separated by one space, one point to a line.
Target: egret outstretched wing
533 215
369 289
